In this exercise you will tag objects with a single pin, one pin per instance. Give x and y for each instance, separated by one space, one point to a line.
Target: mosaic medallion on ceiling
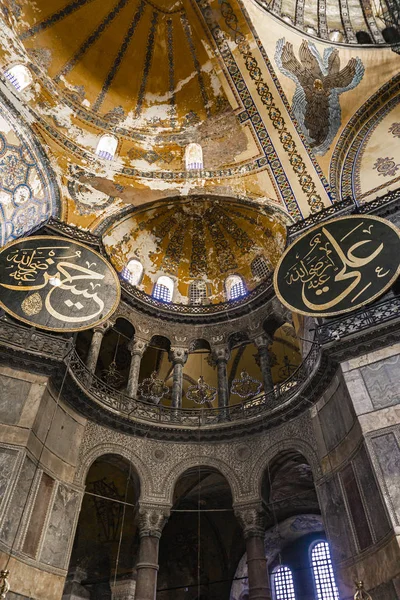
132 62
28 195
198 238
319 82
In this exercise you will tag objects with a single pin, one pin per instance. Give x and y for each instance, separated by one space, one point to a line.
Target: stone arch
293 444
169 482
87 459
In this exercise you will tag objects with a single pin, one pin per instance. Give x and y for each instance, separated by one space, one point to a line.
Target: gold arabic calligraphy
327 263
30 270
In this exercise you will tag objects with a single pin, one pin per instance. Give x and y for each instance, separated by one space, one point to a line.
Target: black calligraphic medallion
338 266
57 284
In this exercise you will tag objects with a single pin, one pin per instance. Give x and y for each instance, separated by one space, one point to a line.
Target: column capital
103 327
137 346
152 518
264 340
178 355
252 519
220 354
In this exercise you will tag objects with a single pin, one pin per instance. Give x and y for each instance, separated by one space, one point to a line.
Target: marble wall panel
8 456
13 395
357 511
387 452
385 591
60 528
336 519
374 504
38 515
18 501
337 410
382 380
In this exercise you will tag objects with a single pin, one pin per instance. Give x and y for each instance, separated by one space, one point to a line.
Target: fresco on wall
319 83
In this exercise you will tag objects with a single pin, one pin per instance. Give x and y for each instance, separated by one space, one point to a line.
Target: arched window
259 268
133 271
107 147
163 289
197 291
193 157
20 76
235 287
282 582
324 578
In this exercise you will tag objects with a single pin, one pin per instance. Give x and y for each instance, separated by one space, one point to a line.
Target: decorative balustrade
283 396
33 341
364 319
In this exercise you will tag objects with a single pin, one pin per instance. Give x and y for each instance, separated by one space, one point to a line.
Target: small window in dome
132 272
107 147
19 76
197 292
193 157
259 268
164 289
235 287
282 580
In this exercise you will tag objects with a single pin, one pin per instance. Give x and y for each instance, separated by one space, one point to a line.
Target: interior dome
198 239
135 63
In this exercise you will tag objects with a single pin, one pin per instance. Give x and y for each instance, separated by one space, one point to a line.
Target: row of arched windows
21 78
324 579
198 290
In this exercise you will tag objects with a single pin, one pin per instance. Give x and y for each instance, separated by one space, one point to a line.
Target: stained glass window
324 578
132 272
163 289
107 147
235 287
282 581
19 76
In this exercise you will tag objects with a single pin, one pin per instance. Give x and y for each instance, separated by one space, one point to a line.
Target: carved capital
178 355
152 518
252 519
220 354
263 341
103 327
137 346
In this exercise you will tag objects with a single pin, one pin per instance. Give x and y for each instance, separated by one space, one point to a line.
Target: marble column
94 350
137 348
252 520
152 519
221 357
178 357
263 342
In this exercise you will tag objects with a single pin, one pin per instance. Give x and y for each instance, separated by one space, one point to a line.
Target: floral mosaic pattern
25 198
394 129
386 166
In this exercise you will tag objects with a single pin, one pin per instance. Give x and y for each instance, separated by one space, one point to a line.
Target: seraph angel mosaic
319 83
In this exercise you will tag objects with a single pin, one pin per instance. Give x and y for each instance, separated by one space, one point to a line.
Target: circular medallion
339 266
57 284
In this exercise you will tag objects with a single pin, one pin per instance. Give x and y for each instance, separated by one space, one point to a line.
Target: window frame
126 267
292 595
258 277
228 290
311 549
104 154
9 79
169 285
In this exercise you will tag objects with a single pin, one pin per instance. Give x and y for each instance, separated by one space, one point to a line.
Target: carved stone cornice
152 519
252 519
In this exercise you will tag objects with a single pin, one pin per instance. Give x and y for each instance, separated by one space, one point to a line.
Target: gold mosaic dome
135 63
192 239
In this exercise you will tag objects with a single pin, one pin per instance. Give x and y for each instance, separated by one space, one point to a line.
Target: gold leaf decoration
32 305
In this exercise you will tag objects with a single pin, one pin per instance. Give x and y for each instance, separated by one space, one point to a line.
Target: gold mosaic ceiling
202 238
135 62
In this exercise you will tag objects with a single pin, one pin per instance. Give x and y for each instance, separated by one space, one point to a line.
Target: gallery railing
36 342
283 396
361 320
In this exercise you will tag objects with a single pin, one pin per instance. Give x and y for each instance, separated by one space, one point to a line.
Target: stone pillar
137 348
152 519
178 357
262 343
94 350
221 357
252 520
